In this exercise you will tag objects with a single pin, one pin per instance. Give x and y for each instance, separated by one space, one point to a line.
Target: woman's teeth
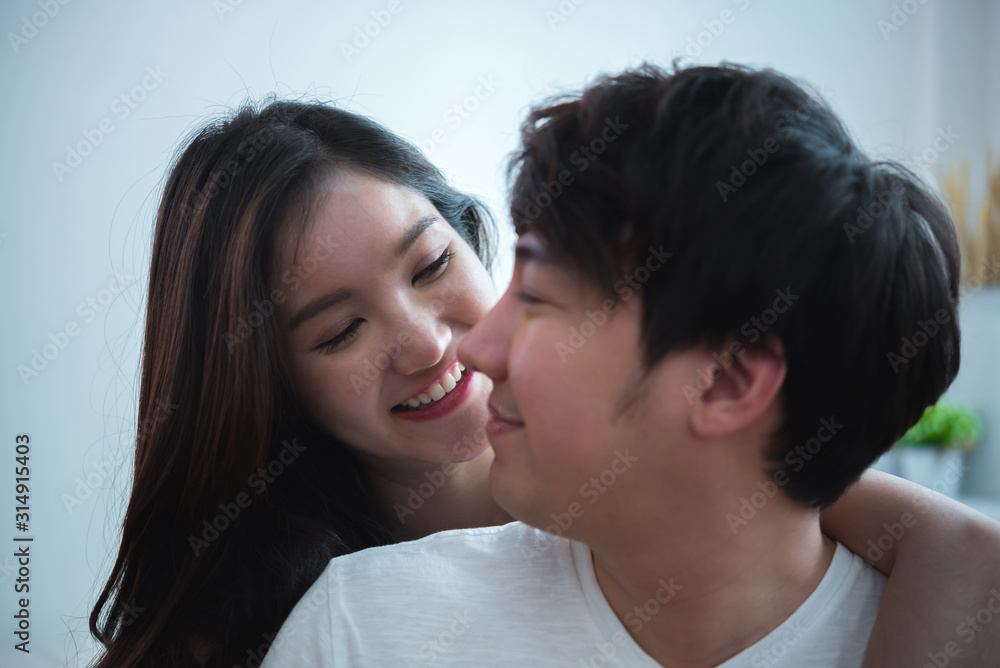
436 391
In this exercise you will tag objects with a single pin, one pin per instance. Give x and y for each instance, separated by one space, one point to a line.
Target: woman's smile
441 398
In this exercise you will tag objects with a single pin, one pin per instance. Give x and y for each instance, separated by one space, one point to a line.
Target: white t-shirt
516 596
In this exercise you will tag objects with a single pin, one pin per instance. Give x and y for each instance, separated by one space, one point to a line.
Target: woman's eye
434 268
341 339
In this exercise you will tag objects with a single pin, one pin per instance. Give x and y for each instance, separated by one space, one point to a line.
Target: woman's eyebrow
411 236
318 305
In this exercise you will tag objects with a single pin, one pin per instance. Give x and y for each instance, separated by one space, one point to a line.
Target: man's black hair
778 226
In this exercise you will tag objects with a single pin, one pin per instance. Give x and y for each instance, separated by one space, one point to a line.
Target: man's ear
740 392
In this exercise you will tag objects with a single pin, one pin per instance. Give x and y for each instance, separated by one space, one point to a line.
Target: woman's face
378 290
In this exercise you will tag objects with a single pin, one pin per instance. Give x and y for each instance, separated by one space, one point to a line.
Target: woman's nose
424 339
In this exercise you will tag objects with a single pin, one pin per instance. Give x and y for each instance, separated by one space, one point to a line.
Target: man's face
575 436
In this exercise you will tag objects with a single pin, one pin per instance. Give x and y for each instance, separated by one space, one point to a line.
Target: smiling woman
311 275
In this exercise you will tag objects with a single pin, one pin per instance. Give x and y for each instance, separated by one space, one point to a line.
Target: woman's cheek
359 380
327 389
479 297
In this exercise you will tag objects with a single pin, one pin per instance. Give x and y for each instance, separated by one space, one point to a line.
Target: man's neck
715 594
424 499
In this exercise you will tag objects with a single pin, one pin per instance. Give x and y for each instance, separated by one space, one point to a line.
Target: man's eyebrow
318 305
528 251
411 236
323 302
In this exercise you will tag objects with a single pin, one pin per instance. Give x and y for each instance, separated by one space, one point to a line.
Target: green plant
945 425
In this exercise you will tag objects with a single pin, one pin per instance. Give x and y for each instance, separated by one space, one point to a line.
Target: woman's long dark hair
239 499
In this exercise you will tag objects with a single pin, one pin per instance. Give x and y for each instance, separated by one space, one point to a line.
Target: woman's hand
941 605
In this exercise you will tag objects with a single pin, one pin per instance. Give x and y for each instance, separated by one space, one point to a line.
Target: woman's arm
942 601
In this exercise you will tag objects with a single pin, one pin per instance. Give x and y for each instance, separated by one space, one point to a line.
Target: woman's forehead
360 214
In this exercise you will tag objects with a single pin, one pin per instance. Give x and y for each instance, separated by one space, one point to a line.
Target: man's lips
502 415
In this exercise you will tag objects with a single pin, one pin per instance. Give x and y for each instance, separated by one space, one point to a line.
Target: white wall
64 238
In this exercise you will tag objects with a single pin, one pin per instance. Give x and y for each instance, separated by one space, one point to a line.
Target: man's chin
523 506
508 496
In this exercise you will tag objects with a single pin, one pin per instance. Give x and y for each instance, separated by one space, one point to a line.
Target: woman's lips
447 404
436 389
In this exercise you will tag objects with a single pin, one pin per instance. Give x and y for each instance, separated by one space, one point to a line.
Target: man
701 346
